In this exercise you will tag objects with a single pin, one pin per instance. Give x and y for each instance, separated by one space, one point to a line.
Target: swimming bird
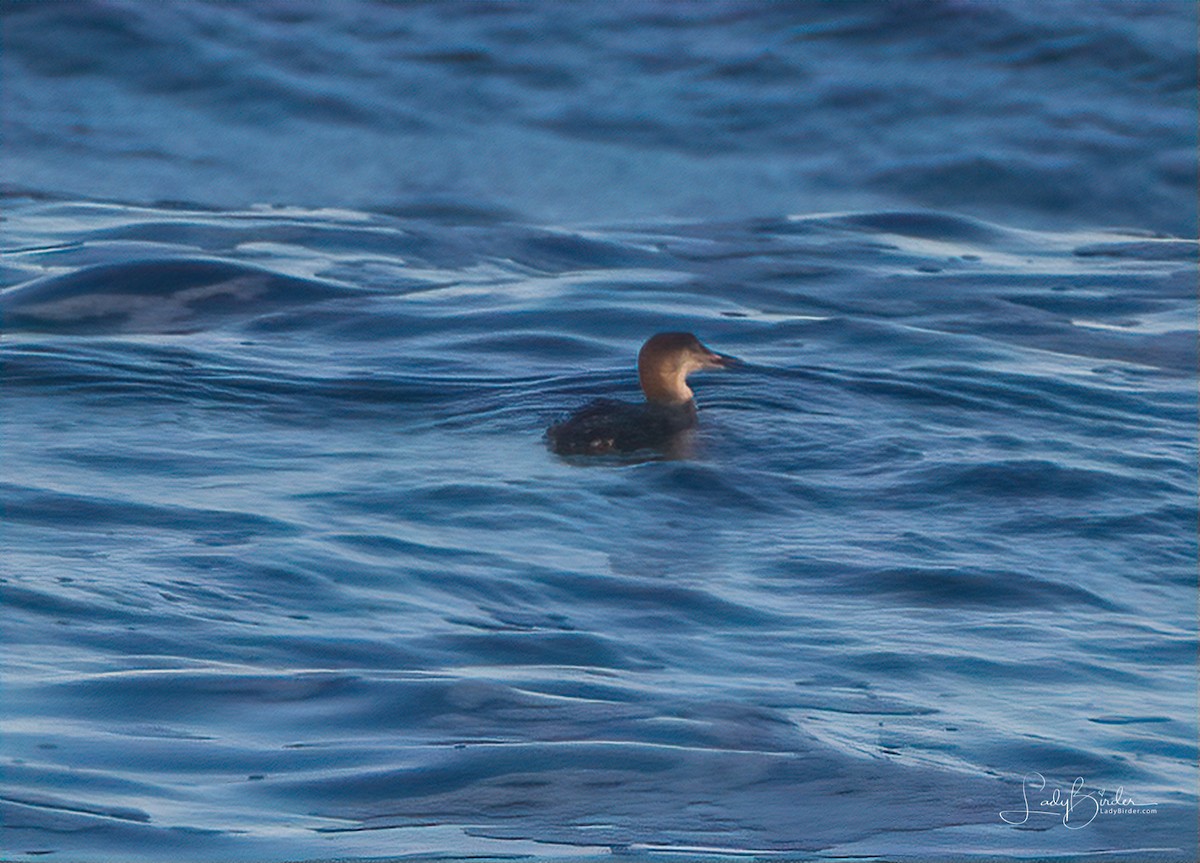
607 426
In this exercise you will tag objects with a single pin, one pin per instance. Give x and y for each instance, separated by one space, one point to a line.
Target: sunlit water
289 572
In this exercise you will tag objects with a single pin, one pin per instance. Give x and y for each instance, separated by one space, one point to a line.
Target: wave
159 296
289 568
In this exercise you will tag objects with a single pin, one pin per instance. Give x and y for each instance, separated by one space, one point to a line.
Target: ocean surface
291 291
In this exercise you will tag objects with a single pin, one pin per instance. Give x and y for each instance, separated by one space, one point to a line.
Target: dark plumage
607 426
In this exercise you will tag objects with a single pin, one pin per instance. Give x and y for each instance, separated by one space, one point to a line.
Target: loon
606 426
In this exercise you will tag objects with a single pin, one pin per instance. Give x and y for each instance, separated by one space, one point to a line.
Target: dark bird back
608 426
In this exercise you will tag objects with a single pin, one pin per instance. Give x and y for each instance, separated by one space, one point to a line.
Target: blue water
291 291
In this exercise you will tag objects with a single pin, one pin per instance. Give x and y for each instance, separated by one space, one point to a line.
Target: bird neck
662 387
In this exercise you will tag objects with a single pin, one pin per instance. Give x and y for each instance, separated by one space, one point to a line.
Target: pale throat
665 386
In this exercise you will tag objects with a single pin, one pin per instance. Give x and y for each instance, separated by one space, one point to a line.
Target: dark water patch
560 252
70 785
182 691
671 604
390 546
927 225
327 398
445 713
166 296
150 464
1024 479
924 666
1153 250
114 33
129 373
56 604
1114 719
1164 521
994 589
448 212
857 703
45 363
482 762
1155 748
385 547
1103 306
915 391
446 709
588 125
464 503
503 620
94 513
333 651
702 486
199 762
124 41
619 778
359 236
163 732
52 831
899 665
558 350
1039 395
586 688
946 587
765 68
476 62
209 599
576 649
1156 649
1057 759
990 182
43 801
